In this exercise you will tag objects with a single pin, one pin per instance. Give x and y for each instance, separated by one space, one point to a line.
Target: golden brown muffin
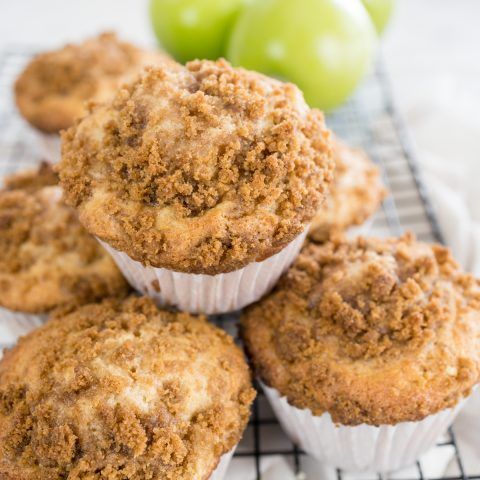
121 390
53 88
202 169
371 331
32 179
355 194
47 259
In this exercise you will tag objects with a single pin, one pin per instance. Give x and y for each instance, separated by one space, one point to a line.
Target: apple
380 12
191 29
324 46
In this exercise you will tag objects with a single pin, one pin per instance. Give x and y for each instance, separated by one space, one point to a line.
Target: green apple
380 12
324 46
191 29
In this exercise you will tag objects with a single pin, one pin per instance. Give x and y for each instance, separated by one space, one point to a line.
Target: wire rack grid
369 120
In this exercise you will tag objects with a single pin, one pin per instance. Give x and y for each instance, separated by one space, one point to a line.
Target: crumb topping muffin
355 194
32 179
376 331
202 169
51 91
121 390
47 259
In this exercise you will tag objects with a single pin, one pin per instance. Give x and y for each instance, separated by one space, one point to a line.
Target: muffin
121 389
52 90
355 194
32 179
367 349
201 181
47 259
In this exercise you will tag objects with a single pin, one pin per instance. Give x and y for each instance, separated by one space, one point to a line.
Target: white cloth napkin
452 182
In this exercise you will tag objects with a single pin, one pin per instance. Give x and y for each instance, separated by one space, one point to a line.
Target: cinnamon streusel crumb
355 194
51 91
32 179
371 331
47 259
121 390
201 169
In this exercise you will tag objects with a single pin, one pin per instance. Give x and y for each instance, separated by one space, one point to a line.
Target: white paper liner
49 145
209 294
363 447
222 467
16 324
361 230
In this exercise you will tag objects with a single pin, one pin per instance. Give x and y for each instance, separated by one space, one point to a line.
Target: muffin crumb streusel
376 331
201 169
121 390
355 193
33 179
51 91
47 259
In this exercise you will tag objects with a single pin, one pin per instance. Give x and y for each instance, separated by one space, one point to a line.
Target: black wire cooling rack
369 120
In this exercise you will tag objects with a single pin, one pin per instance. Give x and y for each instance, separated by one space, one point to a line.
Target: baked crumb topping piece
375 331
47 259
32 179
355 193
121 390
201 169
51 91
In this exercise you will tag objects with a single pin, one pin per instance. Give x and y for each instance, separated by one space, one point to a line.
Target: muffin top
370 331
47 259
355 193
32 179
51 91
201 169
121 390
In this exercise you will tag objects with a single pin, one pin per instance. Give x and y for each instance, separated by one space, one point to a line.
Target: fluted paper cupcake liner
209 294
363 447
222 467
16 324
361 230
49 145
